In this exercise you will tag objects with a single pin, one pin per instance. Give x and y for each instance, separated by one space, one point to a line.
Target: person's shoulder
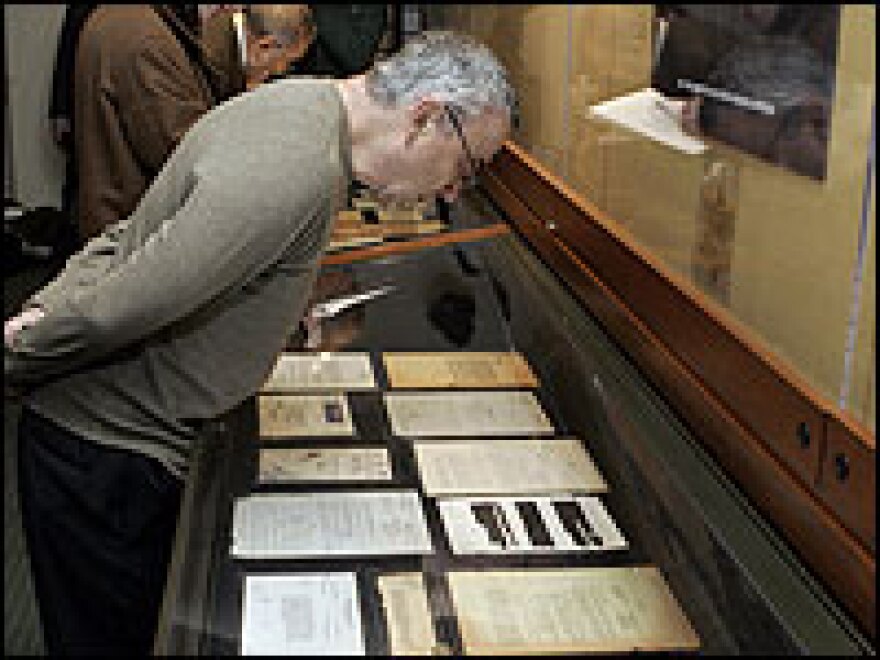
311 97
116 30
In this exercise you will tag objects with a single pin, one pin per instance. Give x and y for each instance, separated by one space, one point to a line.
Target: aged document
405 603
352 242
507 467
455 369
530 525
346 524
577 610
288 416
324 464
301 615
308 372
457 414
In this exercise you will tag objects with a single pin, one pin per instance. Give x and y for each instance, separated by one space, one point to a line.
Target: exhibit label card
347 524
529 525
577 610
304 372
290 416
454 369
507 467
324 464
301 615
408 616
457 414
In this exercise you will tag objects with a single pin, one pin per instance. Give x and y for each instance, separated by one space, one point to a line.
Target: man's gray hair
449 67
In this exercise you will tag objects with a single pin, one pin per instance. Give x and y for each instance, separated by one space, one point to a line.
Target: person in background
143 76
140 81
278 37
176 314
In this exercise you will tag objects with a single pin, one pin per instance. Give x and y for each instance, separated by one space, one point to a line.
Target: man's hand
26 319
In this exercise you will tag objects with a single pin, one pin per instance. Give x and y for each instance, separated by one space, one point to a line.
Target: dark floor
21 633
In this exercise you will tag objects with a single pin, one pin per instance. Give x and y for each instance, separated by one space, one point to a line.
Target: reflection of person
176 314
776 55
452 309
786 74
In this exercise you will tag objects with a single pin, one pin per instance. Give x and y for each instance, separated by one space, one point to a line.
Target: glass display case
633 539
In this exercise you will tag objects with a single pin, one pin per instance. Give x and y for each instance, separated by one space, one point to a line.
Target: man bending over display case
176 314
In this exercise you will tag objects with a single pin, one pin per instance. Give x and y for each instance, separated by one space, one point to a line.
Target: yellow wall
787 253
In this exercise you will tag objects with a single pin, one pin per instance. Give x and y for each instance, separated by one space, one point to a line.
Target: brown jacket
136 92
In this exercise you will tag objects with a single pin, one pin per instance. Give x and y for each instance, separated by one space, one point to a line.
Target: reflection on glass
765 220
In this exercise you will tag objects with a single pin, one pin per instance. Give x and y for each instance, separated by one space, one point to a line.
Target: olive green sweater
176 314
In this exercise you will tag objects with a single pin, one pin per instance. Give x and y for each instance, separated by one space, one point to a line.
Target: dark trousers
99 524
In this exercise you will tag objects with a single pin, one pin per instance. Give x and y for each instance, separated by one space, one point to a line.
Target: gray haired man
176 314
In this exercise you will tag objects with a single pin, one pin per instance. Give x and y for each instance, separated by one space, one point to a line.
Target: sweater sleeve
223 236
97 257
159 96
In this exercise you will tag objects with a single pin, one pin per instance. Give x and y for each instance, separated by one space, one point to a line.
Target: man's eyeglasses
469 181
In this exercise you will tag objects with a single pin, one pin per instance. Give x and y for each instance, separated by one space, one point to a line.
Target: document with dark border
407 614
289 415
475 370
338 524
466 414
323 371
314 614
507 467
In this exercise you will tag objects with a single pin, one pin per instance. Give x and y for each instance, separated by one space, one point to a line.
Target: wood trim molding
403 247
764 424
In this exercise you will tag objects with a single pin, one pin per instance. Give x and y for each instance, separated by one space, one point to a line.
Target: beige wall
31 36
781 247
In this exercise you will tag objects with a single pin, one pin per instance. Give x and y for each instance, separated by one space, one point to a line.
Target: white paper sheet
303 415
309 372
324 464
574 610
347 524
457 414
507 467
497 526
301 615
651 114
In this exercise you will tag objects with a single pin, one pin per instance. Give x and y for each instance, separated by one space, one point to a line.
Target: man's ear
419 116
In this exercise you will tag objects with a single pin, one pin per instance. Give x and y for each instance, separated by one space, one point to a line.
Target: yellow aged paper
577 610
324 464
340 244
303 372
515 467
405 602
452 369
463 414
286 416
